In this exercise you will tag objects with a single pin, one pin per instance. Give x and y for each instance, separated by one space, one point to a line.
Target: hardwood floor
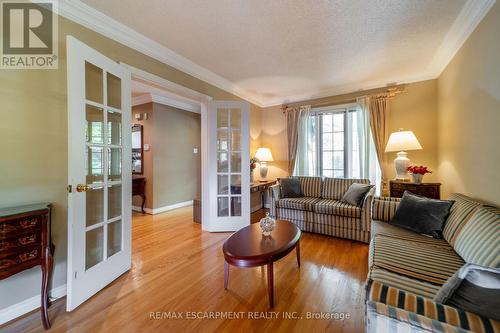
178 268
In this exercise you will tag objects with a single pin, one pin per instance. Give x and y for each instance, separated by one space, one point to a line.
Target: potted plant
417 172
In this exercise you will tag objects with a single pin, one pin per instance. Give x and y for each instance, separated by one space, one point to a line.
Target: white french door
228 165
99 175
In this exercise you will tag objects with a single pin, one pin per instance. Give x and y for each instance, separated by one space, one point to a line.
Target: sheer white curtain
369 165
306 161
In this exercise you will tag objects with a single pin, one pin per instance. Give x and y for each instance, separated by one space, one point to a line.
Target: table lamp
264 155
401 142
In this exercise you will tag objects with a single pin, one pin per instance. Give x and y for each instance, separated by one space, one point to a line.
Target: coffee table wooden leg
226 274
270 284
297 250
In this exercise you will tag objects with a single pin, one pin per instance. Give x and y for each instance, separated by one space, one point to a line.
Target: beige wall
177 170
469 115
147 137
33 109
415 110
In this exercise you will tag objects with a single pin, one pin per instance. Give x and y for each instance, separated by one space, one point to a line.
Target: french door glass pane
114 237
222 139
114 164
94 206
235 139
114 86
93 83
114 201
235 162
94 247
222 206
222 162
222 184
222 118
235 184
235 206
235 118
94 166
114 128
94 129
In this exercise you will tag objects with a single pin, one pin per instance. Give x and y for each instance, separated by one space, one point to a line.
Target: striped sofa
321 211
407 269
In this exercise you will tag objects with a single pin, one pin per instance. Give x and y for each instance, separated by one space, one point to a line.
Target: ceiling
273 52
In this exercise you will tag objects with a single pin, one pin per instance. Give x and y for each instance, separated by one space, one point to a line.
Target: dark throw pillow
473 289
356 193
290 188
423 215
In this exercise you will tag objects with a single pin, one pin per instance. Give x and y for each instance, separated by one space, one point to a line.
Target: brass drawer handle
28 223
27 240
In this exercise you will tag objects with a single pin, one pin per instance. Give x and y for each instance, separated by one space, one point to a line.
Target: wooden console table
139 188
25 242
430 190
257 194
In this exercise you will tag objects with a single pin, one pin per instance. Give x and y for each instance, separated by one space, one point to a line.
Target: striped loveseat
407 269
321 211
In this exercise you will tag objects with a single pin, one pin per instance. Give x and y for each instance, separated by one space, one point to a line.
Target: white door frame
183 94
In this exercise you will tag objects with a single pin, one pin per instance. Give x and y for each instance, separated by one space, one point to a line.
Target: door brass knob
82 188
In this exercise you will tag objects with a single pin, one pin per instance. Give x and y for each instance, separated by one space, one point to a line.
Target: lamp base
263 170
401 164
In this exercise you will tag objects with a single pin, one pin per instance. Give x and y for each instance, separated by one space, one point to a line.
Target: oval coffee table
247 247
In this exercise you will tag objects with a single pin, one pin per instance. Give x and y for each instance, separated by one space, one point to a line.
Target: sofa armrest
275 192
365 210
413 311
384 208
381 317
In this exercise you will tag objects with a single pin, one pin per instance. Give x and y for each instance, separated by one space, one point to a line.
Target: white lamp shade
402 141
264 155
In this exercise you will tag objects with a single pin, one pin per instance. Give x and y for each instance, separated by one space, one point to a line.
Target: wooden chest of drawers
25 242
429 190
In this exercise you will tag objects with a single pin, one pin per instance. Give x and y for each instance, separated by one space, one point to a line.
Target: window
338 142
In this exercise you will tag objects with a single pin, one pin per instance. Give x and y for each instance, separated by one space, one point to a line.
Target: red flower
422 170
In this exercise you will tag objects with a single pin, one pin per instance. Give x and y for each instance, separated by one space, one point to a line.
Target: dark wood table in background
429 190
247 247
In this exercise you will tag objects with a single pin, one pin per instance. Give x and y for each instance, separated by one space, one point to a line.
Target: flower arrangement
253 163
418 170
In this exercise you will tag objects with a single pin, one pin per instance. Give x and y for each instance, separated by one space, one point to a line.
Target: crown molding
168 101
93 19
468 19
466 22
344 89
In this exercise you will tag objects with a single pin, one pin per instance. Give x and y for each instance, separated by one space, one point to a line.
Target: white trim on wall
93 19
164 208
164 100
466 22
471 14
28 305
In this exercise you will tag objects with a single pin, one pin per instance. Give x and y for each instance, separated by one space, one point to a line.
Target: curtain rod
391 92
